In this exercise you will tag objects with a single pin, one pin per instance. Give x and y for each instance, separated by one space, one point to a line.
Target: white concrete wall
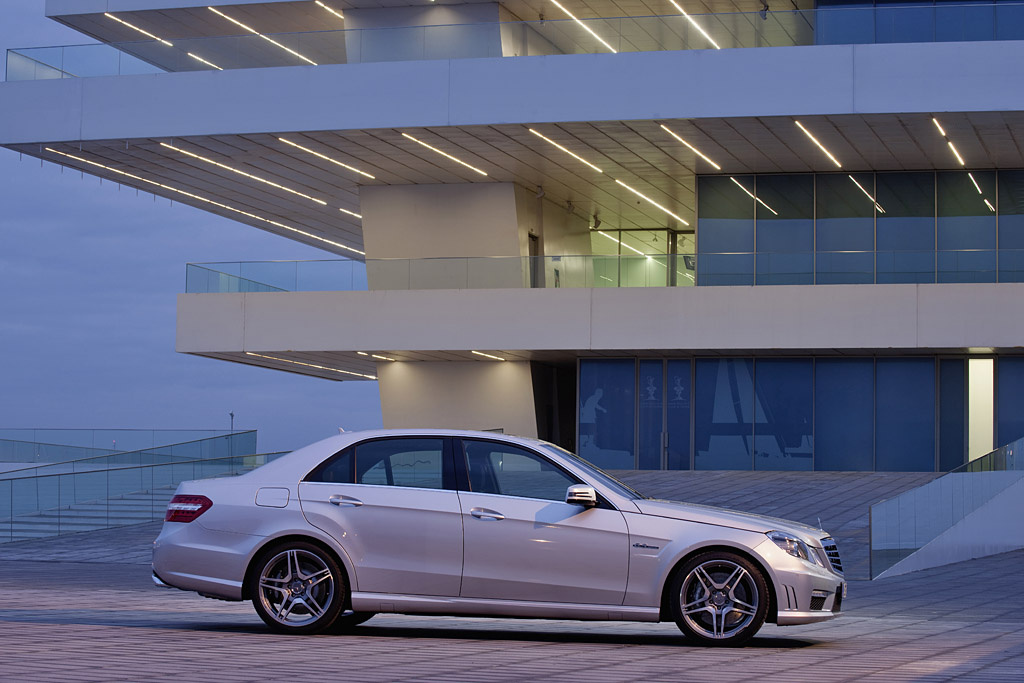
457 395
858 318
811 80
993 528
438 226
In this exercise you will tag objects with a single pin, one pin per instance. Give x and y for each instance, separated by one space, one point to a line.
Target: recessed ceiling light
976 185
486 355
955 153
332 11
939 126
695 24
651 201
200 59
753 196
243 173
444 154
572 154
309 365
136 28
694 149
326 158
350 213
820 146
206 200
266 38
585 27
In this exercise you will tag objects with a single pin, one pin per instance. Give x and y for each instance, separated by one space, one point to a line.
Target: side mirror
581 494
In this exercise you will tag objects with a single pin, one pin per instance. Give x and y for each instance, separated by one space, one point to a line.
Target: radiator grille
830 548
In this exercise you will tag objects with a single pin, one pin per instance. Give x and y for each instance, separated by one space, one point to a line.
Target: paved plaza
82 608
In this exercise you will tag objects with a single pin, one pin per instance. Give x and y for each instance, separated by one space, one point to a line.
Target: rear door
524 542
391 504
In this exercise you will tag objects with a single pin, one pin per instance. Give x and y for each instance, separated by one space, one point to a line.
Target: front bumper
805 593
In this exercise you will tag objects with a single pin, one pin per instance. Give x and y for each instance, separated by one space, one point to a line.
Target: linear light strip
310 365
989 205
266 38
955 153
753 196
351 213
695 24
332 11
572 154
243 173
486 355
939 126
650 201
326 158
867 194
374 355
200 59
820 146
585 27
136 28
207 201
976 185
695 150
444 154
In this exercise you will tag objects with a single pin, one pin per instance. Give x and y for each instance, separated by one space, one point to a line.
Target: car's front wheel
719 598
299 588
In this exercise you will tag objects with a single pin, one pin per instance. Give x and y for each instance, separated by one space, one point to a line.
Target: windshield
605 478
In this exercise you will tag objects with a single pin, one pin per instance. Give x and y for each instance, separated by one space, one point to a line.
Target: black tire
348 620
719 598
298 588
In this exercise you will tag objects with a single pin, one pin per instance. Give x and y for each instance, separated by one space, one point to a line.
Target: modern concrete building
667 234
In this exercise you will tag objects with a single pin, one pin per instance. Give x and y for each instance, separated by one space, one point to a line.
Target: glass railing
55 504
904 524
210 448
969 22
589 271
109 439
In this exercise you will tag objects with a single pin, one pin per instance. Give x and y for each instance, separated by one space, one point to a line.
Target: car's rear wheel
719 598
299 588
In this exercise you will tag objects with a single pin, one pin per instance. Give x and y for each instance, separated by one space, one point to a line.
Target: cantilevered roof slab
287 149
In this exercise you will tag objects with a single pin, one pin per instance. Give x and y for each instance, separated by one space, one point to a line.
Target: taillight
186 508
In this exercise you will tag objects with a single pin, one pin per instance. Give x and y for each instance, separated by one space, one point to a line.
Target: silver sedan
473 523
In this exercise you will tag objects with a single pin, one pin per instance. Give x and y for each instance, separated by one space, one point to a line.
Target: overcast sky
89 272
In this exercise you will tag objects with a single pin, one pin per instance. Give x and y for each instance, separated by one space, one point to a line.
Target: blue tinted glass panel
785 229
1009 21
844 23
952 412
845 228
1011 226
906 229
844 414
723 417
725 269
962 21
651 412
904 24
677 394
966 226
607 412
783 414
1009 400
905 415
725 214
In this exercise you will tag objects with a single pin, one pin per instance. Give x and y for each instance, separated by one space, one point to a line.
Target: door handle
484 513
345 501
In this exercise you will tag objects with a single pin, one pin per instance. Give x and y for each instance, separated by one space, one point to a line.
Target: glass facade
895 414
1009 400
843 228
847 22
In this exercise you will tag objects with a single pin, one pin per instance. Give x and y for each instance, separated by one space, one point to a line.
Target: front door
523 542
391 504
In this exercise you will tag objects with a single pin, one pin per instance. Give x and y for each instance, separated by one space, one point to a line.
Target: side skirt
483 607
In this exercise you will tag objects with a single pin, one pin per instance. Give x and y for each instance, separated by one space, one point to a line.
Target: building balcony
163 45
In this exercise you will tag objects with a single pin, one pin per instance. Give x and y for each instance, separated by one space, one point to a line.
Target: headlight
794 546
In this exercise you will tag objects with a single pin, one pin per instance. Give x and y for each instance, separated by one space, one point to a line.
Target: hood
706 514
